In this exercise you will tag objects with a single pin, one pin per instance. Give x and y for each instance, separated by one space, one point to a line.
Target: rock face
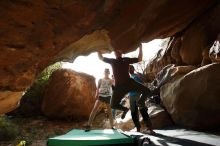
36 33
162 59
159 118
191 45
193 99
69 95
9 101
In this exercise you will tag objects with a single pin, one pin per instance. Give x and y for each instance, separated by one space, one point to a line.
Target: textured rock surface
162 59
158 115
9 101
199 36
193 99
191 45
69 95
35 33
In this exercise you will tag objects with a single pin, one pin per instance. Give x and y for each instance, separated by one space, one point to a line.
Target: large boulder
69 94
192 99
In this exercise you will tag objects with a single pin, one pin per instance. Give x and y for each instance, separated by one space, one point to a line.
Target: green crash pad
79 137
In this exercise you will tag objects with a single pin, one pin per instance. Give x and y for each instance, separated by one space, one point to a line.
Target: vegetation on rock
30 104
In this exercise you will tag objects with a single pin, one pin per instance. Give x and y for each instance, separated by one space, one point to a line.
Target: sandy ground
36 131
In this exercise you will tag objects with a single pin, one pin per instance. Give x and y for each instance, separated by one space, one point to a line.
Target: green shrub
36 90
8 131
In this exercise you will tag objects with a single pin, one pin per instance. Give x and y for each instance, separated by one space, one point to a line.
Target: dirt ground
36 131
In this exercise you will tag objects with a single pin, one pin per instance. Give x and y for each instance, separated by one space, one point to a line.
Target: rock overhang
37 33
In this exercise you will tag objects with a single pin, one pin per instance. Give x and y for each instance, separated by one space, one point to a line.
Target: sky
93 66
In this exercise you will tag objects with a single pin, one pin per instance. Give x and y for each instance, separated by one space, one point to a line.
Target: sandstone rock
29 106
191 45
69 95
192 99
200 35
9 101
36 33
169 54
206 59
162 59
158 115
166 74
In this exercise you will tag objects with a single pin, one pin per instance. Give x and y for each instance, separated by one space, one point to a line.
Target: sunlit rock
69 94
159 118
192 99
